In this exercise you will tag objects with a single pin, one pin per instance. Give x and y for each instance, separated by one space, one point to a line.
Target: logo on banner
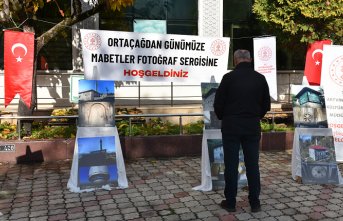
92 41
19 45
218 47
336 71
265 53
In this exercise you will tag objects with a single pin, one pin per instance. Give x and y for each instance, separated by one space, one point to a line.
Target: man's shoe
227 207
256 208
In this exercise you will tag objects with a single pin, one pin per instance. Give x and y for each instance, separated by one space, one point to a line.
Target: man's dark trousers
250 146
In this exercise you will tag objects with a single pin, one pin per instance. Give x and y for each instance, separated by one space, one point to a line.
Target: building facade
61 57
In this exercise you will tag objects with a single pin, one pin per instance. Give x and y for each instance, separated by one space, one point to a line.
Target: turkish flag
313 65
18 65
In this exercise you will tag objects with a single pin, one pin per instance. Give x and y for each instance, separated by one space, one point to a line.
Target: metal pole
273 123
171 94
19 129
139 94
289 87
180 124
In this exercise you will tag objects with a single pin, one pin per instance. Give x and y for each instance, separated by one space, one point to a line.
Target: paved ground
161 190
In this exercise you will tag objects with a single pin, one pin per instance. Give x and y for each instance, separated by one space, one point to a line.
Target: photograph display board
313 156
208 92
98 161
318 160
216 156
332 83
308 106
211 142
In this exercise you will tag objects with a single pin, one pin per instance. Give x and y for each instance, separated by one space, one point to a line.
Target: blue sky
97 85
88 144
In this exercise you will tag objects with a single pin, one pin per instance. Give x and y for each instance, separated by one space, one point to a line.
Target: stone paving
161 189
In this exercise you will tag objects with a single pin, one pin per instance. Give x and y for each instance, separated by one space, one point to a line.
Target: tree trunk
26 125
23 110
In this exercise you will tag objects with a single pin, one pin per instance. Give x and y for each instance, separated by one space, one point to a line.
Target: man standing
241 100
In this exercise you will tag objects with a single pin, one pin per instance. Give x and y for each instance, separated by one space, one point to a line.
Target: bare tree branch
48 35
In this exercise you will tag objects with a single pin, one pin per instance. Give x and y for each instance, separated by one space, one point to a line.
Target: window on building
241 27
240 38
149 9
236 25
182 17
57 53
117 21
236 11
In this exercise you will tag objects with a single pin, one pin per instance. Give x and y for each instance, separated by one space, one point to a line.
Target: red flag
18 65
313 65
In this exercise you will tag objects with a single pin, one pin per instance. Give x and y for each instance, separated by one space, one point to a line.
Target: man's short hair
242 54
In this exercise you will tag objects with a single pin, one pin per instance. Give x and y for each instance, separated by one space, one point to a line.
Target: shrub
8 131
50 132
156 126
139 127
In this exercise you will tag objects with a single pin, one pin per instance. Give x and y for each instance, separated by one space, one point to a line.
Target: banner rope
71 27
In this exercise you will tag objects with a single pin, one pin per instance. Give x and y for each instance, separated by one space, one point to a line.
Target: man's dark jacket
241 100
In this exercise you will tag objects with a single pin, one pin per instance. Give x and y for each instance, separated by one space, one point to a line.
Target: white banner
265 61
332 83
129 56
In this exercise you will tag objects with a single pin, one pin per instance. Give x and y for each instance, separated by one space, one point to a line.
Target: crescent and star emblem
315 52
19 45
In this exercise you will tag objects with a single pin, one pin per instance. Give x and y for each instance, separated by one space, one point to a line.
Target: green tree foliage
302 20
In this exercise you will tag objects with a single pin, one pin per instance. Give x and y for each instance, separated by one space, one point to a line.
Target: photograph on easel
318 160
216 156
208 91
97 162
308 106
96 103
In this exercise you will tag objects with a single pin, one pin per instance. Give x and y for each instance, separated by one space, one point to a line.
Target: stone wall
132 147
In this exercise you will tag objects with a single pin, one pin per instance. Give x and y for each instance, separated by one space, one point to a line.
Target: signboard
265 61
74 88
129 56
332 83
212 163
7 148
150 26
